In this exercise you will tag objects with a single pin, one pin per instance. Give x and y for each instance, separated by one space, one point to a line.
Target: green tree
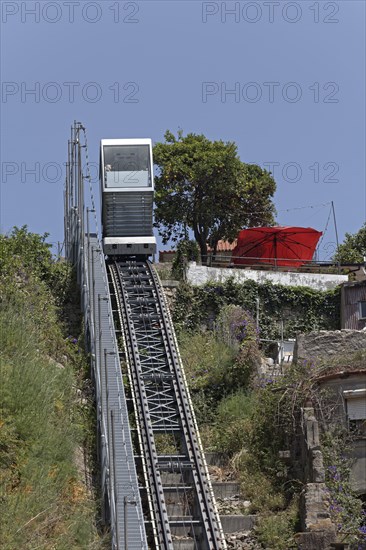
353 249
203 185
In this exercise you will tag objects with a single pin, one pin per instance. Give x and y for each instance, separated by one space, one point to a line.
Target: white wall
199 275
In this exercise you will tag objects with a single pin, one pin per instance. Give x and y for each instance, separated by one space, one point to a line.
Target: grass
44 502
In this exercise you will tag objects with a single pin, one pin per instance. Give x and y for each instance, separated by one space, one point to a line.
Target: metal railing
276 264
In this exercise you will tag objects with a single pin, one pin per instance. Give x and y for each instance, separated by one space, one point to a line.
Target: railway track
176 493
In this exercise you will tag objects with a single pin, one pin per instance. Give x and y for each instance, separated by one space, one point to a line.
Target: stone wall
170 289
328 344
311 455
339 350
318 530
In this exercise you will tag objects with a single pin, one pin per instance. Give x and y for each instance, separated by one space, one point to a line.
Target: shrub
345 507
232 423
301 309
237 329
276 531
206 361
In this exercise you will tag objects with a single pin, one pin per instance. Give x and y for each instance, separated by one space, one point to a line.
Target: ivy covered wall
300 309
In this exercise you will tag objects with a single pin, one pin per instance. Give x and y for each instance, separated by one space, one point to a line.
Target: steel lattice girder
155 363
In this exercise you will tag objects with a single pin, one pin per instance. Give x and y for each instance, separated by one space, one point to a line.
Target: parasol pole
335 228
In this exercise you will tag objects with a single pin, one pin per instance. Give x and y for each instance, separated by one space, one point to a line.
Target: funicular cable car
127 189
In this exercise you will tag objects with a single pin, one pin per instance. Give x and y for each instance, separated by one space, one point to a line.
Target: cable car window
127 166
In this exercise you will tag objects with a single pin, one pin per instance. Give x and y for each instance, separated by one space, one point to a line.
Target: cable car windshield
127 166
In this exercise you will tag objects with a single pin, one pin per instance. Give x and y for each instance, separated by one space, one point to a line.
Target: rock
55 363
242 541
316 539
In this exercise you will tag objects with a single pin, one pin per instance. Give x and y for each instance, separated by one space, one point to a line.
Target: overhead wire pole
336 230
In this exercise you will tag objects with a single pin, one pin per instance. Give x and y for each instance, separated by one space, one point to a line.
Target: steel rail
155 483
142 272
203 485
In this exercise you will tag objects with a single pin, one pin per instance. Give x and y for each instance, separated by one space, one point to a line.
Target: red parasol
287 246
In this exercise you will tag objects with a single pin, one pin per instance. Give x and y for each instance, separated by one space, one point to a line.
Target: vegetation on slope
45 423
250 419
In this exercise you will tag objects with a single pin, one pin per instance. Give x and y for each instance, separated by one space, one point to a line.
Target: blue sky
284 80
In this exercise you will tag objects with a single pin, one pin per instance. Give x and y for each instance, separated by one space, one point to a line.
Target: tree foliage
203 186
353 249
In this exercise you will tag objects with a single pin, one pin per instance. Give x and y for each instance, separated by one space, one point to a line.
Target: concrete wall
200 274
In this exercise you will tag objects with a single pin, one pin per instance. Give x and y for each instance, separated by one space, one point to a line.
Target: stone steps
225 489
225 492
231 523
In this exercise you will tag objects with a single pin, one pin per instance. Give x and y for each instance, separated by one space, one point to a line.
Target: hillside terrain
247 412
250 412
46 446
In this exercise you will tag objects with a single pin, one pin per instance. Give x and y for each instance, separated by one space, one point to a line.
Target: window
362 310
356 410
127 166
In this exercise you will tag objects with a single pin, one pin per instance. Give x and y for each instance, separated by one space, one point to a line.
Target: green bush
236 327
232 423
206 361
25 253
345 507
256 485
276 531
